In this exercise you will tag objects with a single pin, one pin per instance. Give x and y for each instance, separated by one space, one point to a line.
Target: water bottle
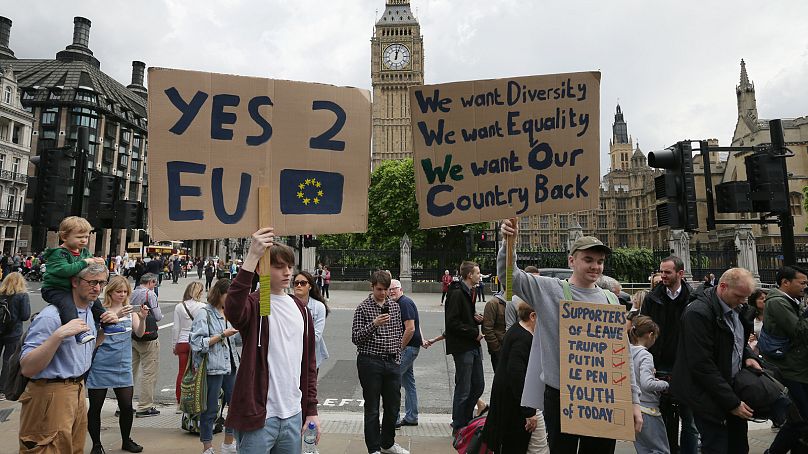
310 438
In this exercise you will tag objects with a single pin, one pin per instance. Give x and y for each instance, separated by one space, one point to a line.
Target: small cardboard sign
215 138
595 371
493 149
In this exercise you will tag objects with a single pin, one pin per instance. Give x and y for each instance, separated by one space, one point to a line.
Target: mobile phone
136 307
385 309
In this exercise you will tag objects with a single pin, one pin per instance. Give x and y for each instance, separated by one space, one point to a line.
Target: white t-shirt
285 354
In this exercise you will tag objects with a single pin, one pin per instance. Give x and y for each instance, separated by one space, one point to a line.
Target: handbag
773 346
194 386
766 395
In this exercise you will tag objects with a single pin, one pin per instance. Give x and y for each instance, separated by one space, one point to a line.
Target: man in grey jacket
542 381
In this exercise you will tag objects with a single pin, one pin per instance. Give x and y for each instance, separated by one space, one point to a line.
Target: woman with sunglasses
306 290
112 365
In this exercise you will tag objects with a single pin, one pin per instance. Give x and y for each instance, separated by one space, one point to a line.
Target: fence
770 259
715 261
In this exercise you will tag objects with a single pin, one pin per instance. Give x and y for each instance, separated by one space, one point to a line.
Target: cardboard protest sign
595 371
215 138
493 149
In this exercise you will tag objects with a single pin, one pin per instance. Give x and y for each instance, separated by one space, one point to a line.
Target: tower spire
745 92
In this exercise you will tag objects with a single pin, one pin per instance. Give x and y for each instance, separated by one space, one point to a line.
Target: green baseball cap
589 242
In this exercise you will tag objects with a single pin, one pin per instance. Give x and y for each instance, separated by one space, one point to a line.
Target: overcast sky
673 66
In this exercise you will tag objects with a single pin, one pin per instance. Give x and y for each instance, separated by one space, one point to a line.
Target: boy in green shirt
66 261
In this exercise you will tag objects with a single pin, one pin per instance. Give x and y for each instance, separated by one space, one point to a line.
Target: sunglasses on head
301 283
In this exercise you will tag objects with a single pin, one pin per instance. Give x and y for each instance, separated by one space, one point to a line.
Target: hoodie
249 401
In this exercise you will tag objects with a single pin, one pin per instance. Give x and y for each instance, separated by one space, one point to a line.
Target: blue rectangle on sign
311 192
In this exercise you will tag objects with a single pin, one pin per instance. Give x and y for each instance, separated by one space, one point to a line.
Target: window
621 204
545 240
26 95
583 220
86 96
602 221
622 240
602 204
49 116
638 220
544 221
563 222
7 94
795 199
15 165
2 161
133 190
621 221
524 240
11 199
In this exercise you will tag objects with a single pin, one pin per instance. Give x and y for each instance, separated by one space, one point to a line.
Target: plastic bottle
310 438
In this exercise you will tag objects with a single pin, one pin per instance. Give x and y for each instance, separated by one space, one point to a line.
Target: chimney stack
5 34
138 69
79 50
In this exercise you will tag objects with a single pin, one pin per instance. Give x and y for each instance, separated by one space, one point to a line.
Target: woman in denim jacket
213 336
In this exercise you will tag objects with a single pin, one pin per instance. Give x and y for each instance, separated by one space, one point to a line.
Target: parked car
561 273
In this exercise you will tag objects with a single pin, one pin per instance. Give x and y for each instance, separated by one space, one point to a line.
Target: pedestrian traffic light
767 182
104 191
676 188
49 189
733 197
128 214
307 240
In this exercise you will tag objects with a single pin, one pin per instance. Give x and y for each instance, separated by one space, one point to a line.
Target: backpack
6 320
764 393
15 380
150 333
469 439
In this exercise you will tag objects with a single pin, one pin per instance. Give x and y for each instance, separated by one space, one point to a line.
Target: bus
167 248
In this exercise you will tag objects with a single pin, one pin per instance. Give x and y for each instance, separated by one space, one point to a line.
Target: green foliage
632 264
393 212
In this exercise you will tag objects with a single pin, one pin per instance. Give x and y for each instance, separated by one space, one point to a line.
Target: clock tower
396 62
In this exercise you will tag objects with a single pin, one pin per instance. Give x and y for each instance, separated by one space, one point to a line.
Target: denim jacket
207 324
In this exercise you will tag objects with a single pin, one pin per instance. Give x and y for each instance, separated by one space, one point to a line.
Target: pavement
342 427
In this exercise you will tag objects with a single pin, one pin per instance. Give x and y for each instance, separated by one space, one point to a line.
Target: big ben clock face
396 56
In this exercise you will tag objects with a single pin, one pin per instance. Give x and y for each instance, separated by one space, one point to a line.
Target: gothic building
396 63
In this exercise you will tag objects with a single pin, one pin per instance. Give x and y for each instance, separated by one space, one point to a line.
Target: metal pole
786 219
82 148
17 231
708 183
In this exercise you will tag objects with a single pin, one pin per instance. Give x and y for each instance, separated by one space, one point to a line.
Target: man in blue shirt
410 347
53 410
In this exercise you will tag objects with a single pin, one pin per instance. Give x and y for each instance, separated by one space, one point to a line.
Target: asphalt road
338 385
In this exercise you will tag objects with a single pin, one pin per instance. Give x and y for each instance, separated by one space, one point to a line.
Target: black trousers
381 380
729 437
561 443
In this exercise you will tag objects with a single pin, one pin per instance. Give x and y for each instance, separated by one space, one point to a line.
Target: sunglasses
301 283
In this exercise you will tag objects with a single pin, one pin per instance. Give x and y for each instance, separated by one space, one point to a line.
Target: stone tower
745 91
396 62
620 150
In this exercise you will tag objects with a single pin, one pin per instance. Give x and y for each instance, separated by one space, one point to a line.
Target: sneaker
146 413
209 451
97 449
112 330
395 449
404 422
228 449
2 397
83 338
130 446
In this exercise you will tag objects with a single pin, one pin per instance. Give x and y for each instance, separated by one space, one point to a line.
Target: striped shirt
377 340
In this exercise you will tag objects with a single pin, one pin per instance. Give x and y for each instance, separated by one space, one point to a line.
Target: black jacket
461 329
702 375
19 306
667 316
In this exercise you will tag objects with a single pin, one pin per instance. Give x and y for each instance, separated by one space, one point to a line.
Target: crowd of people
688 346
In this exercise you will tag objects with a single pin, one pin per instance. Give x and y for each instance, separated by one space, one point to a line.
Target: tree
393 212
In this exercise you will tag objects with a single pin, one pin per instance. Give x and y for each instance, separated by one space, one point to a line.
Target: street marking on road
342 403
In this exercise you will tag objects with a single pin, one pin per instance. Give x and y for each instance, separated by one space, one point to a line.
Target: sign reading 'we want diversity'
214 139
492 149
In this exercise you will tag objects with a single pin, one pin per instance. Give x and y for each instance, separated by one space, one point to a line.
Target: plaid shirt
377 340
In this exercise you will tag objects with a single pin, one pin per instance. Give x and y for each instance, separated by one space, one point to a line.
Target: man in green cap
542 380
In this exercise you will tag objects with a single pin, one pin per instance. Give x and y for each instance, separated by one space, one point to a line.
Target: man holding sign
276 386
543 381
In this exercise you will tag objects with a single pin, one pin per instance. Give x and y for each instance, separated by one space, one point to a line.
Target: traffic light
50 189
676 188
104 191
128 214
307 239
767 188
485 241
733 197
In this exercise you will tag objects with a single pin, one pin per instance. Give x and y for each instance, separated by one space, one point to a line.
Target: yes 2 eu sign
214 139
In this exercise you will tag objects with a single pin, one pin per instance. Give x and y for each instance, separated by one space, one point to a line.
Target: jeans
278 436
408 383
469 386
726 438
789 434
380 379
569 443
208 417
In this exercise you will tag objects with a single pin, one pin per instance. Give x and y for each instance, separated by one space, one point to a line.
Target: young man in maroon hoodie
275 394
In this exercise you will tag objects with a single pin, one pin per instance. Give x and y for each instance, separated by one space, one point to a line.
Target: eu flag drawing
311 192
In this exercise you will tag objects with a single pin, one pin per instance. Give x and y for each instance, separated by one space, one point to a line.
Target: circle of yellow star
301 194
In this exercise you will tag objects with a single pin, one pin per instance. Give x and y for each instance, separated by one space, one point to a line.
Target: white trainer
228 449
395 449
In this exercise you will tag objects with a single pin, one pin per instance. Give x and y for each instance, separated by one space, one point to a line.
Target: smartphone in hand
385 309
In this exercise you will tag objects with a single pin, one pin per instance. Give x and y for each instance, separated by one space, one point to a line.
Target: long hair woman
211 334
307 290
112 365
184 315
14 290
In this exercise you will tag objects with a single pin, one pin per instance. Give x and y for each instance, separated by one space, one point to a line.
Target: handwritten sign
494 149
595 370
215 138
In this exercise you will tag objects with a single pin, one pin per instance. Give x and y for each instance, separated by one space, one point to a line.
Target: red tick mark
622 348
619 380
618 364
